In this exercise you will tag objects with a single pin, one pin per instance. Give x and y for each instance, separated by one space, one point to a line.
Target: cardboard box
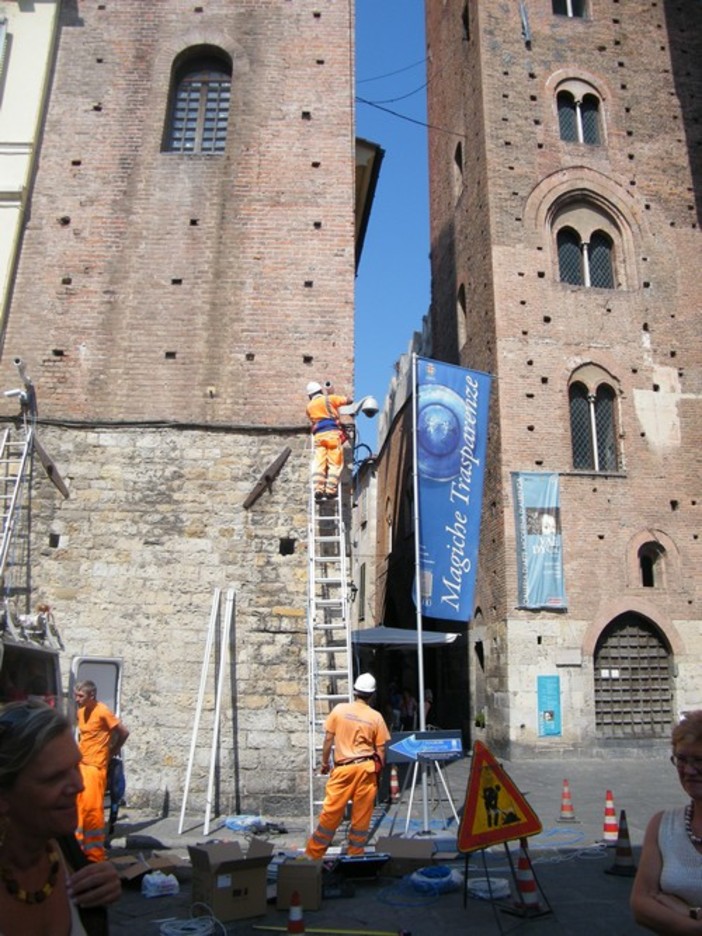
406 855
131 868
304 876
231 883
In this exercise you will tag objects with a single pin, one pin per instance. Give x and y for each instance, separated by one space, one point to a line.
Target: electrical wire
390 74
419 123
196 926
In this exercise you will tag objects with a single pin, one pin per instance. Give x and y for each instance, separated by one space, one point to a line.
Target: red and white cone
296 923
526 882
610 830
394 785
567 810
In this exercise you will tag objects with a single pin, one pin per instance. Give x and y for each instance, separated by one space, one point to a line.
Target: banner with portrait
450 426
537 513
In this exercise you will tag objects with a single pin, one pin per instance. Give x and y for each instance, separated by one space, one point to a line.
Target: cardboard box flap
398 847
209 856
259 849
130 868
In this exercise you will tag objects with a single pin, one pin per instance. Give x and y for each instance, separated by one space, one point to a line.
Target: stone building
187 267
565 195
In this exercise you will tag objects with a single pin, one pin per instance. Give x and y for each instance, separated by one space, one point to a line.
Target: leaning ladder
15 476
328 627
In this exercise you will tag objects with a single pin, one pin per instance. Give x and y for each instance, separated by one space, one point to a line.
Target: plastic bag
436 880
158 884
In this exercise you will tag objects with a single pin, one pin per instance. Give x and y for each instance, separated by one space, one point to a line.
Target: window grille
569 7
566 117
200 111
592 428
570 262
590 119
581 435
600 261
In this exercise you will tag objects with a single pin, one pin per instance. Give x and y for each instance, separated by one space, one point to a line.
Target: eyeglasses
695 763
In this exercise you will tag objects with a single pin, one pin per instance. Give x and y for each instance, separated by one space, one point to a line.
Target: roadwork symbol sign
494 811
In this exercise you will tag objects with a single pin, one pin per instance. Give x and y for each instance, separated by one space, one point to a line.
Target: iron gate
633 684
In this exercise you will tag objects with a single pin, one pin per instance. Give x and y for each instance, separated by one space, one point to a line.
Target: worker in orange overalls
358 735
329 438
101 735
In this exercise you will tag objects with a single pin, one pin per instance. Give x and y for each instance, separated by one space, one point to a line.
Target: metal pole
418 590
200 697
223 657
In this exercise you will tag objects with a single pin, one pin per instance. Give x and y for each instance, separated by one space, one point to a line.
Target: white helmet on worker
313 387
365 684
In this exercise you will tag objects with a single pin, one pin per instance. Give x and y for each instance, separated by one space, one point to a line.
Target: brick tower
566 194
187 267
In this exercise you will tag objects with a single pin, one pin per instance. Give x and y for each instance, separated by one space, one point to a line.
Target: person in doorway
358 734
428 703
46 884
101 735
329 438
408 711
667 894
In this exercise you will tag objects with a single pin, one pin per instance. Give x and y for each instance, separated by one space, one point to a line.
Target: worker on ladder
329 438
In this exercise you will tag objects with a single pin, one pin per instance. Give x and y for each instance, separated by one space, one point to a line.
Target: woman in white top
40 892
667 893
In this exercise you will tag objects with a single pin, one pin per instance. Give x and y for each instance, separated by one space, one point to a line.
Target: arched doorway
633 680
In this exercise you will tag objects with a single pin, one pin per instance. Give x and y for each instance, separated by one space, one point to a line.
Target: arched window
199 111
593 427
569 7
579 118
585 264
570 261
651 557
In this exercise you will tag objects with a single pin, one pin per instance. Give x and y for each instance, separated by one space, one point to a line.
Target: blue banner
451 413
537 515
548 694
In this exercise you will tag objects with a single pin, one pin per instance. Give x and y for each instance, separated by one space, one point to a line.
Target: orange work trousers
91 812
328 461
355 782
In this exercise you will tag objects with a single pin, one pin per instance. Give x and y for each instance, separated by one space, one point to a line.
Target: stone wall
129 562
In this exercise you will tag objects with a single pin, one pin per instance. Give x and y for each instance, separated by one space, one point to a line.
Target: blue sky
392 286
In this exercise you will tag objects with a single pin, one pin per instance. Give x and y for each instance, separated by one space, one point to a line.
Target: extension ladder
15 477
328 627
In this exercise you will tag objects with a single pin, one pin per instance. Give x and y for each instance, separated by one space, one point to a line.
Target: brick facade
170 309
500 176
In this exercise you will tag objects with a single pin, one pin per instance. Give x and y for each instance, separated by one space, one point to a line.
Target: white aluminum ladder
15 476
328 627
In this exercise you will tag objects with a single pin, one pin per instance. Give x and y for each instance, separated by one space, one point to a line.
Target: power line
419 123
390 74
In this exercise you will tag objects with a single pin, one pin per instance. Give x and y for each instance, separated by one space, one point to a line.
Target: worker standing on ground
101 735
329 438
358 735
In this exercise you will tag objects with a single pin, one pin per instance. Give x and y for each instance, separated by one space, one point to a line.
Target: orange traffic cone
394 785
526 882
610 832
624 859
296 923
567 811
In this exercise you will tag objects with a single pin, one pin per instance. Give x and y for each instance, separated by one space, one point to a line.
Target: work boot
319 496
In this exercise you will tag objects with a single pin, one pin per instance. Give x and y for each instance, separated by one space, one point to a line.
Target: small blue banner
537 514
451 413
548 692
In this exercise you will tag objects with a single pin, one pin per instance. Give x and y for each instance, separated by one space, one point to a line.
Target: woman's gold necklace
33 897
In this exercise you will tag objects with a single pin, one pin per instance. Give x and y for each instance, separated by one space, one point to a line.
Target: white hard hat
313 387
365 683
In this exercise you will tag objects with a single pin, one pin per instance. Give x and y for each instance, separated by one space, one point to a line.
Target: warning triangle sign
494 811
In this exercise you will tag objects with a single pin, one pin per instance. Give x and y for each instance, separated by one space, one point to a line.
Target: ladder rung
331 649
